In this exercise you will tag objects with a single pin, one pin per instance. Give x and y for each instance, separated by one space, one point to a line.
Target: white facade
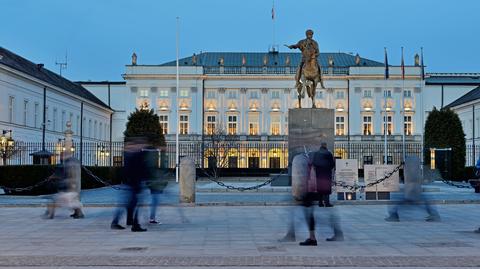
22 107
259 103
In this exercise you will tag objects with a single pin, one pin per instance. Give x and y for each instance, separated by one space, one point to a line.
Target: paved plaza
236 236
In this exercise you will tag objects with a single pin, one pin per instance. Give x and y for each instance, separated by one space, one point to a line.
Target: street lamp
7 146
102 152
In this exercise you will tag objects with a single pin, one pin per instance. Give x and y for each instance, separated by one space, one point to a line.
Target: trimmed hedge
18 176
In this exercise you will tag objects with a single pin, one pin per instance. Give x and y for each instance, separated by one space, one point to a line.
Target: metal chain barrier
255 187
29 188
356 187
104 182
457 185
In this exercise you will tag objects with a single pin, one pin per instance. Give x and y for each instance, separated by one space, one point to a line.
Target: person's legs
393 212
134 210
153 206
432 212
310 219
290 236
335 224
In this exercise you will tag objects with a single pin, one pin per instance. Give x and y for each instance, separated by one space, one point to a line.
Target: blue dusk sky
101 35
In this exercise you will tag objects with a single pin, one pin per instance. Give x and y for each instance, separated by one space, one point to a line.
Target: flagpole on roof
385 116
177 146
403 105
273 25
422 81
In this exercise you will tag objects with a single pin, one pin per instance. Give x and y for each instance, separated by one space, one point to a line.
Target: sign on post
346 171
374 172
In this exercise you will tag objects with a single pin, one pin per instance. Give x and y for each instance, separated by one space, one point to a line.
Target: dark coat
324 163
134 169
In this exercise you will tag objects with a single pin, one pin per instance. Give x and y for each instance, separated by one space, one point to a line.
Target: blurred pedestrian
320 184
67 184
134 172
413 191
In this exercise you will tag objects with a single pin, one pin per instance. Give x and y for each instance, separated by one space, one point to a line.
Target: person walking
318 186
134 171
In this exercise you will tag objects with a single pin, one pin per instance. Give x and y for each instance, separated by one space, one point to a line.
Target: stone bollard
299 176
413 178
187 180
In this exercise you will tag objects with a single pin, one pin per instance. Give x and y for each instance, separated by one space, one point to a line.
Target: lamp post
7 146
102 153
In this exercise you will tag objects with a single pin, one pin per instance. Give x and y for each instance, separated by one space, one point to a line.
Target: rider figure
309 48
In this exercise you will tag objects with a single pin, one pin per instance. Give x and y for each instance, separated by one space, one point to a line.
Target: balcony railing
268 70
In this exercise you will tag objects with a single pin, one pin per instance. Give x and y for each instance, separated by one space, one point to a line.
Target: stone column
187 180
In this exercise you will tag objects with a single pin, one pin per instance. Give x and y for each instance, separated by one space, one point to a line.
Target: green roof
256 59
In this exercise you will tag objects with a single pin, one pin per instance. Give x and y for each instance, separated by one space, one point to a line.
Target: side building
35 106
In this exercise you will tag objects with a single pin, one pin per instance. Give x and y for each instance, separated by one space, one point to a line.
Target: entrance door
253 162
274 162
232 162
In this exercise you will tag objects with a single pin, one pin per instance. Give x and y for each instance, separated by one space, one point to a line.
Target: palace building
248 95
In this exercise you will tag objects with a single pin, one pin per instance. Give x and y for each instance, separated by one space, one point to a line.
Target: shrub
443 129
19 176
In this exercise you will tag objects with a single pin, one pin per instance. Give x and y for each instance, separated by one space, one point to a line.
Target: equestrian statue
309 72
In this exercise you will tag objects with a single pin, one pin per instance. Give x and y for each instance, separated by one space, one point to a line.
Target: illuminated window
275 124
340 125
389 125
232 125
253 124
408 127
211 124
164 123
367 125
183 124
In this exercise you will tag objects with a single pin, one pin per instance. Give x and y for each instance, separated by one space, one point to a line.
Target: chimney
39 66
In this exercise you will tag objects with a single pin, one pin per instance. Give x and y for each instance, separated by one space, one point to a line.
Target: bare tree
218 146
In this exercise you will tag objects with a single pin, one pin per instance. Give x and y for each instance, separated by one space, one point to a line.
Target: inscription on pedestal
307 128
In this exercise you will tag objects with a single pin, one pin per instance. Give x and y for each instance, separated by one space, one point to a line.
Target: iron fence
472 154
232 154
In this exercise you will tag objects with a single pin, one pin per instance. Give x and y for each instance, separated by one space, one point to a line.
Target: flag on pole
421 65
387 75
403 67
273 11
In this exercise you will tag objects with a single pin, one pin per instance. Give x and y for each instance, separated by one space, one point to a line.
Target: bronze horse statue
311 75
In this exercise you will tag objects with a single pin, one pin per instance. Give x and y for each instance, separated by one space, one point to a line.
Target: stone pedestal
187 180
307 128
